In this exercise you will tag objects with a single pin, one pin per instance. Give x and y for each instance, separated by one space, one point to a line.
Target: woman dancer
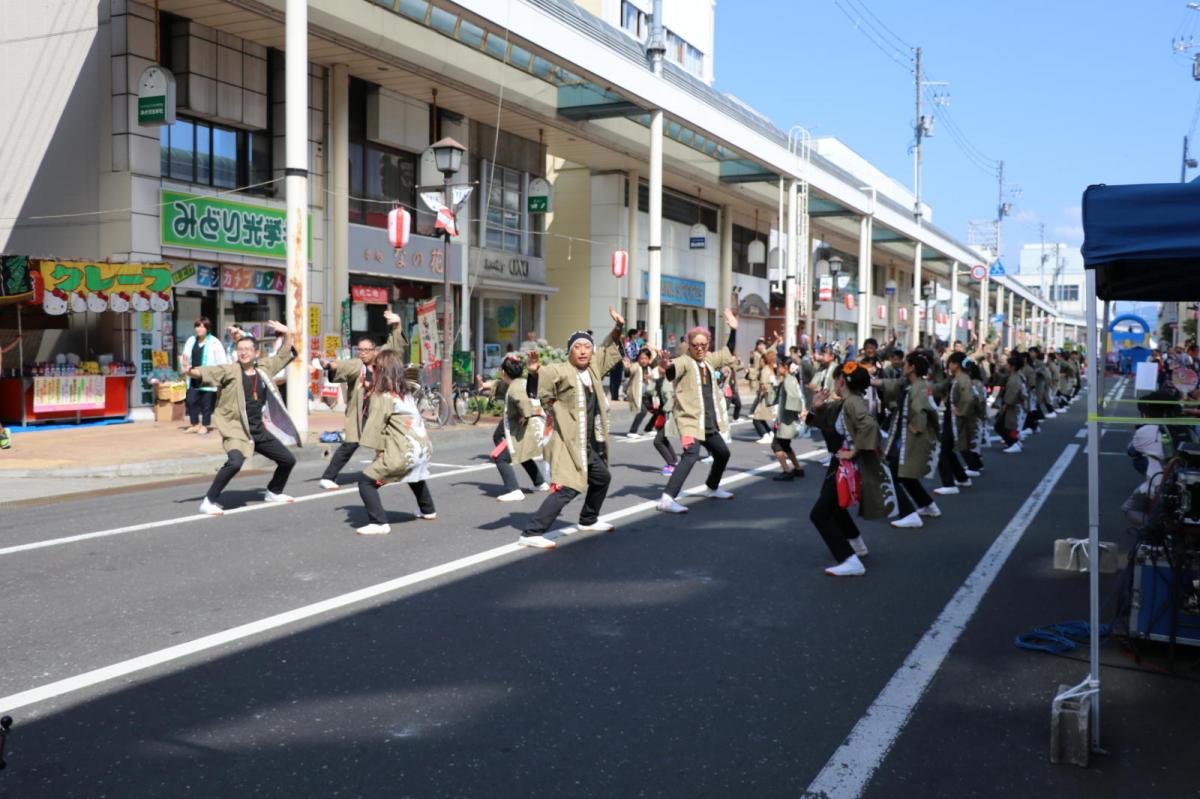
791 411
396 431
851 432
912 439
661 397
768 394
972 457
518 434
957 426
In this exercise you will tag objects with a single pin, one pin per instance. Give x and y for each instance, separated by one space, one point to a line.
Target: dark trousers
200 405
1009 436
597 490
833 522
614 381
338 460
1032 418
641 414
368 490
663 445
271 448
950 468
910 494
761 428
735 400
504 464
974 461
715 445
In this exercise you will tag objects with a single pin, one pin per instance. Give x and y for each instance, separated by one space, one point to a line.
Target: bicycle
432 406
467 403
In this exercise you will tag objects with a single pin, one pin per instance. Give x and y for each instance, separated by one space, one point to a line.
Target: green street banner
214 223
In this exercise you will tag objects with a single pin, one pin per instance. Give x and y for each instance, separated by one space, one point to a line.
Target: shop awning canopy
1143 241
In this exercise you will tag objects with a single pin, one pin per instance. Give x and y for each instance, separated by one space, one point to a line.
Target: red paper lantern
848 300
620 263
903 313
881 311
399 226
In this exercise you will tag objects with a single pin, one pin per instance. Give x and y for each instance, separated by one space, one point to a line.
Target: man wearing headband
696 413
571 394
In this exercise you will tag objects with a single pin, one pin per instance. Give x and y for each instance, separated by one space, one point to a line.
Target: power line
884 47
973 153
905 46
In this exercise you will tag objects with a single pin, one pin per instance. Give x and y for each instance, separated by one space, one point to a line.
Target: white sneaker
1051 415
717 493
931 511
211 508
971 473
860 547
826 460
512 496
328 485
273 497
766 439
946 490
597 527
667 504
374 529
536 541
850 567
633 436
543 487
1015 448
426 516
911 520
963 483
709 459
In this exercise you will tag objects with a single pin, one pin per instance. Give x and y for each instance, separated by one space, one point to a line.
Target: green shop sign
212 223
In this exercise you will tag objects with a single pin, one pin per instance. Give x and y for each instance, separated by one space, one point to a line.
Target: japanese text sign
212 223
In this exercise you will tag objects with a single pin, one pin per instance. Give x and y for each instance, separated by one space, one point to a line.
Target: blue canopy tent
1140 243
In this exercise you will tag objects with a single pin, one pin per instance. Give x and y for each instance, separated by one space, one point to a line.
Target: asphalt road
272 652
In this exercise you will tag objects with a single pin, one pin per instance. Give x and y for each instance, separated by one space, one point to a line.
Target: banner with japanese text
68 393
80 286
214 223
427 326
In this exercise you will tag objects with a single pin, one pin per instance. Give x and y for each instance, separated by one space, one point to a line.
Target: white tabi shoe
280 498
536 542
667 504
963 483
850 567
426 517
766 439
911 520
515 495
946 490
543 487
971 472
859 546
633 436
597 527
328 485
374 529
210 508
1014 449
931 511
707 459
717 493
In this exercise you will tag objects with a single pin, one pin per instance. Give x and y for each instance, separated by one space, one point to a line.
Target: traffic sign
997 270
979 271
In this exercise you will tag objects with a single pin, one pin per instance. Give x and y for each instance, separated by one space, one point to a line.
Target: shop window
504 203
679 208
742 236
380 177
204 153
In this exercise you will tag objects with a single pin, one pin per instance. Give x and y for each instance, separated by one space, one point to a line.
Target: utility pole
914 329
296 192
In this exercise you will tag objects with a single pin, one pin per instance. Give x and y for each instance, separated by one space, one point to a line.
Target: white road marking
1082 433
125 668
848 771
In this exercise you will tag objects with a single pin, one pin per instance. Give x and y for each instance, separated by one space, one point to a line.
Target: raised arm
396 340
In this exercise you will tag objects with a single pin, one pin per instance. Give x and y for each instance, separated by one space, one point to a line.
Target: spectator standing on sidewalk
251 416
358 375
201 349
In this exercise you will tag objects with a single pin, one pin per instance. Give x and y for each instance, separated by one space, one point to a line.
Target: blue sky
1067 93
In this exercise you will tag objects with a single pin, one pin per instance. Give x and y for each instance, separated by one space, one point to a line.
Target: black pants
910 494
761 428
504 464
715 445
369 492
641 414
200 405
271 448
614 381
735 400
338 460
950 469
663 445
1032 418
974 461
1010 436
833 522
597 490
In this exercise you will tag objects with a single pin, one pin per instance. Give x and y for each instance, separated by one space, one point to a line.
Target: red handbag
849 483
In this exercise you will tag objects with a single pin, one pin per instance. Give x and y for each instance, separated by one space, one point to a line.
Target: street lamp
835 267
447 154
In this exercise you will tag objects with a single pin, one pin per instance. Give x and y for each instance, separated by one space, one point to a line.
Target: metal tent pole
1093 473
